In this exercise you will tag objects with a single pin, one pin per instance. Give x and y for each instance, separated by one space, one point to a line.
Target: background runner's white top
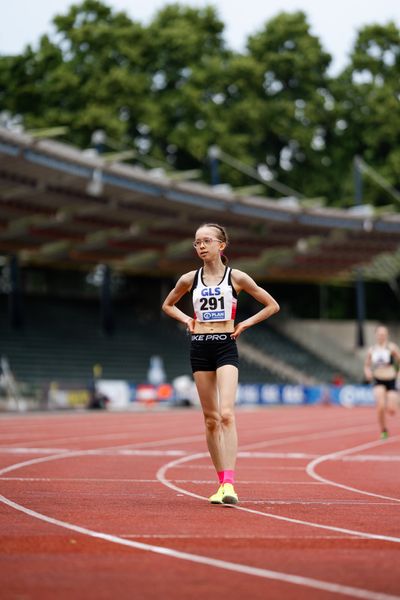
214 303
381 356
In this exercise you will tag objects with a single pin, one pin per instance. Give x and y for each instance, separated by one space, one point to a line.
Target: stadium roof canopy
63 207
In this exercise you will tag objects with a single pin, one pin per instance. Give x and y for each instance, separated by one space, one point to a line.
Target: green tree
91 76
295 117
187 58
172 89
368 93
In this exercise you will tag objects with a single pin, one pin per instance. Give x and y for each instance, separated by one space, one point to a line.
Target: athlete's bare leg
227 380
217 392
206 383
392 402
380 399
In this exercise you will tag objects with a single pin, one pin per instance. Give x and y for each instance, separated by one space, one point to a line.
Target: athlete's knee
227 418
212 421
380 403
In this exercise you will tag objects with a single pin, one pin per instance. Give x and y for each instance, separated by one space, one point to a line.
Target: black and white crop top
381 356
214 303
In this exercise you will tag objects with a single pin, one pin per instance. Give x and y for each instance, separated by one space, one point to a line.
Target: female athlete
380 370
213 354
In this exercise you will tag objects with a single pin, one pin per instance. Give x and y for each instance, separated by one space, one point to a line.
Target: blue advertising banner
295 395
256 393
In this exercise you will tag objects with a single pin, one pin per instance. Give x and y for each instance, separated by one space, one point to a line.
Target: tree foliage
368 99
171 89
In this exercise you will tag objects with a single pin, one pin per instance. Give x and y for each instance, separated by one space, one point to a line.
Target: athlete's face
207 242
382 335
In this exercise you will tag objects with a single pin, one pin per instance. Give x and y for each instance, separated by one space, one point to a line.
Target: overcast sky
335 23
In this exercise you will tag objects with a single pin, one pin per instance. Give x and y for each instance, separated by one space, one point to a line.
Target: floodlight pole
15 297
107 318
360 289
98 140
213 156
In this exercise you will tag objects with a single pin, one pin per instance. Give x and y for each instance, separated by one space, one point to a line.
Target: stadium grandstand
89 247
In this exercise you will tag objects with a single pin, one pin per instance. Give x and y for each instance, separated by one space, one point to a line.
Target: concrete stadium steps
303 366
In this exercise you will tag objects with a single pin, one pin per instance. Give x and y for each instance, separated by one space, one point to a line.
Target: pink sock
229 476
226 476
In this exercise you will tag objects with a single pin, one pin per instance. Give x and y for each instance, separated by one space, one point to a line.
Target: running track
112 505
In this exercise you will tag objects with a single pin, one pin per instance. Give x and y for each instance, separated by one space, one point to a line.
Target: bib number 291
212 303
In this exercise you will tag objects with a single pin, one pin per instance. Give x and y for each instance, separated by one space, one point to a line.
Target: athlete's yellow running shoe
217 497
229 494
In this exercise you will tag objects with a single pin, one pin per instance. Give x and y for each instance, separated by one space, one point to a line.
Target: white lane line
286 455
310 469
164 442
111 436
161 476
32 450
106 452
199 482
344 590
369 457
322 502
84 438
308 437
129 452
91 480
194 481
115 435
192 438
36 461
154 443
309 582
334 457
74 454
248 468
188 536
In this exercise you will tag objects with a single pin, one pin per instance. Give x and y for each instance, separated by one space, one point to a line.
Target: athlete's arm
182 287
242 281
395 350
368 366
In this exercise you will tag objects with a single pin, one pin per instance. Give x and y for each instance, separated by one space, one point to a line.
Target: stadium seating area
269 340
62 339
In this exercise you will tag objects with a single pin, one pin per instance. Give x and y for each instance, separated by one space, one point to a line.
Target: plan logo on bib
217 315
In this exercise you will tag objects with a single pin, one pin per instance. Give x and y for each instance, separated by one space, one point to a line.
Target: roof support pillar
106 310
15 295
359 282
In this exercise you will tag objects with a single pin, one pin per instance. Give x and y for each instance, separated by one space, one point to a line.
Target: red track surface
113 506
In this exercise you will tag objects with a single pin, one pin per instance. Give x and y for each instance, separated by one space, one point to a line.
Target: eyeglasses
206 241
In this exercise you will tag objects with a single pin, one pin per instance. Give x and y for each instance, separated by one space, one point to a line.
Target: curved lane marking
170 552
326 586
161 476
310 468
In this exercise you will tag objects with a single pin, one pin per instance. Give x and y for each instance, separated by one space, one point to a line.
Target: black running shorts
389 384
208 351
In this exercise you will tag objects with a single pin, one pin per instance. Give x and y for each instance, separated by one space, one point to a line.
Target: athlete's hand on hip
239 328
190 325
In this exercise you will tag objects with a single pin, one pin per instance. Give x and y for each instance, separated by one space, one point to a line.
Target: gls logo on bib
211 291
